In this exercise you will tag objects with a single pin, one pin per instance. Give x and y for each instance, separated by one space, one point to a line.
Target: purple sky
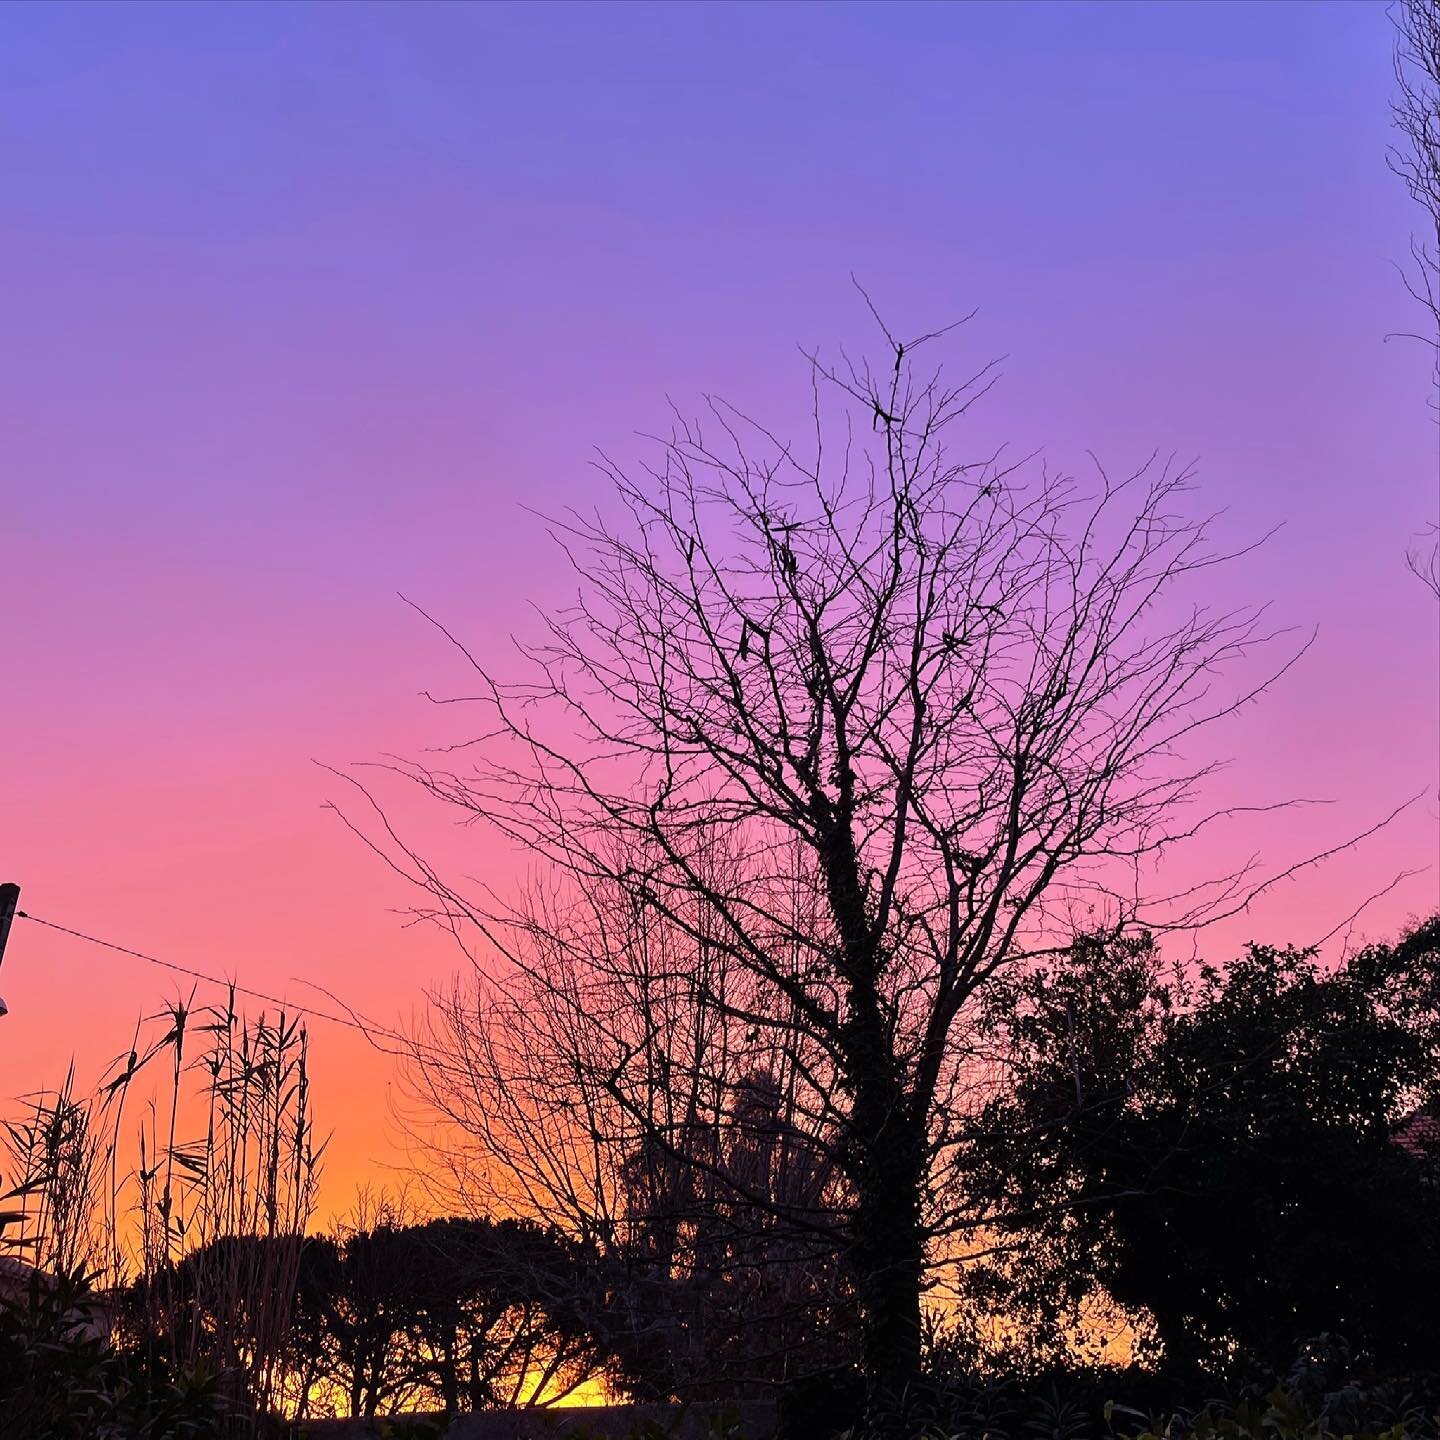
301 305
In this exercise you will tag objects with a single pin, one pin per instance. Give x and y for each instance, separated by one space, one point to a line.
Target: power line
409 1046
366 1028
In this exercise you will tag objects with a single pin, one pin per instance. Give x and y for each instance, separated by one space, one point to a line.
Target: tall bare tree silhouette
833 733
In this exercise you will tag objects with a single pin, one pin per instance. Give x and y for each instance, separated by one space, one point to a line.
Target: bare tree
831 734
614 1087
1417 161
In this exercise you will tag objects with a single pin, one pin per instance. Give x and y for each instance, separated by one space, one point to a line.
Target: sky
308 306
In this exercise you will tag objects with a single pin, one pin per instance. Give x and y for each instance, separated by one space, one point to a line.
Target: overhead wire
352 1021
410 1047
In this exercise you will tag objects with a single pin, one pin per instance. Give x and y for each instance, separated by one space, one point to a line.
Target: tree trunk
890 1262
886 1145
888 1241
449 1367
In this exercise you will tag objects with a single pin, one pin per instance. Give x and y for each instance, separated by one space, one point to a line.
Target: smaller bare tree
1416 159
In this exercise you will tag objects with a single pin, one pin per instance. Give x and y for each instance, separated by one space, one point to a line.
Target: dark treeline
1241 1162
450 1315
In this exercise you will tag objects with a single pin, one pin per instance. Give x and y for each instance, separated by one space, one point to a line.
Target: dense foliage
1235 1154
61 1378
452 1315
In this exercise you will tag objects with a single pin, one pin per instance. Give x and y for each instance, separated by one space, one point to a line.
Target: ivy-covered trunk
890 1260
887 1167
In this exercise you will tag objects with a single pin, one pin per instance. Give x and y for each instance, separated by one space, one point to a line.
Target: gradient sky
299 306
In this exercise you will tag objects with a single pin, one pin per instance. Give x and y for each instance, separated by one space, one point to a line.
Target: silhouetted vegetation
164 1281
838 734
1241 1160
1416 159
452 1315
181 1296
1239 1154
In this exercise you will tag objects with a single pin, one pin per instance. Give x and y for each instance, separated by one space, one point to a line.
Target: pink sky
302 305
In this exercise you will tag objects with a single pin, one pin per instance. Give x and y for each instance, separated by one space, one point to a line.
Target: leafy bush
60 1378
1323 1395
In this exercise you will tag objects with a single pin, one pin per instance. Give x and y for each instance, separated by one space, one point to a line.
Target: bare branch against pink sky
303 306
